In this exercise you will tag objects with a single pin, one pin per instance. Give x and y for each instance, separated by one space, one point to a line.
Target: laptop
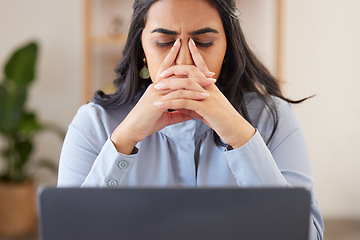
174 214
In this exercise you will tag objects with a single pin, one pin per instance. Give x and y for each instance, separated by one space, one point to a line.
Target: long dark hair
241 71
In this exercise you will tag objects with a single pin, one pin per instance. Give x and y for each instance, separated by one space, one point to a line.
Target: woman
209 114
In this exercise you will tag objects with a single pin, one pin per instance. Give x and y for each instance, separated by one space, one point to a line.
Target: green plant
18 126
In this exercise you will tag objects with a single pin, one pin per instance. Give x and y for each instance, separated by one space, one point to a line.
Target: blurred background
312 46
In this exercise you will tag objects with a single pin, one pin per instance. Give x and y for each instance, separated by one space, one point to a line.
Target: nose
184 55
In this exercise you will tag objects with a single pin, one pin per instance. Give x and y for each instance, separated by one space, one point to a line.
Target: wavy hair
241 70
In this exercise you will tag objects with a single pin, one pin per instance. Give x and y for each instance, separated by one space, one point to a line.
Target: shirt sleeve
284 162
88 156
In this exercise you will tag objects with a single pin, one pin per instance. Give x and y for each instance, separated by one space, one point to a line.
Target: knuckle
179 93
188 81
195 70
193 67
184 103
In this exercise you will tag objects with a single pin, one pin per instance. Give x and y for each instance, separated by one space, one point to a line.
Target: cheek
154 58
214 61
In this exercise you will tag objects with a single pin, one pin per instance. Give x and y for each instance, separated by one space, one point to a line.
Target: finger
177 117
191 72
188 104
193 114
170 58
182 70
185 94
197 58
209 74
195 84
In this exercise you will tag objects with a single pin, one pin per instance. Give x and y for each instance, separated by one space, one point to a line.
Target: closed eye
164 45
171 43
203 45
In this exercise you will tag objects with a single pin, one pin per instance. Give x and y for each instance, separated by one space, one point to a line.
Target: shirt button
112 183
123 164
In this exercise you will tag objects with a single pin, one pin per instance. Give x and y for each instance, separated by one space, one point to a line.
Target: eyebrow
196 32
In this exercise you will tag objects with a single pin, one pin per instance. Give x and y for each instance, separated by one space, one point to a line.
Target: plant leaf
19 72
20 68
12 108
24 149
3 97
29 125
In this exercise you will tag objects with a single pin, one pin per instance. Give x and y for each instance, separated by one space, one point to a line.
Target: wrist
122 143
242 136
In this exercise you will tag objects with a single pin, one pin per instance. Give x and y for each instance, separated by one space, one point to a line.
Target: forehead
179 15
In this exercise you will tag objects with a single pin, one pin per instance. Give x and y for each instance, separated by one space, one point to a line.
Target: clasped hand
191 92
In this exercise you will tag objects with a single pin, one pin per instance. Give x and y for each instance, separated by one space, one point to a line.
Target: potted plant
18 127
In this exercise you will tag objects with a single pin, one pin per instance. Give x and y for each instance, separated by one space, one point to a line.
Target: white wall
56 94
258 21
321 56
322 52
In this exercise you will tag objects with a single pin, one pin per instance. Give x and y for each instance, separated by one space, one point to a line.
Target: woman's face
168 20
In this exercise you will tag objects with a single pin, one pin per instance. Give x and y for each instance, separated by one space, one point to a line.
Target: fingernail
176 42
159 86
159 104
211 79
192 41
163 74
204 94
210 73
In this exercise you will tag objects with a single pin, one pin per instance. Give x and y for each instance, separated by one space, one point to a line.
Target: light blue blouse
185 155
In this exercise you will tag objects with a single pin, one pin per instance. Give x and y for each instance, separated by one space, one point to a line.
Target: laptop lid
174 214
